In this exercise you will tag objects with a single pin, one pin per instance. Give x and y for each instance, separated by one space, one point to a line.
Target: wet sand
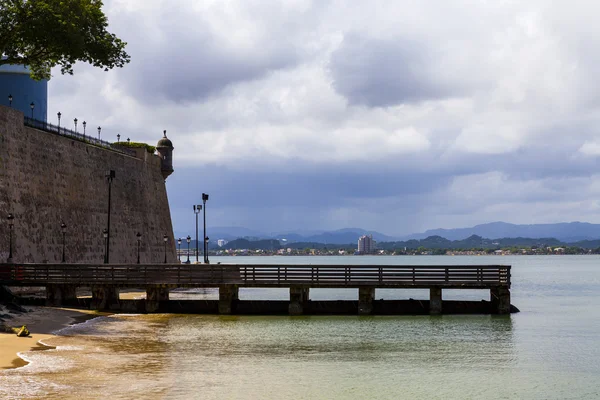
41 322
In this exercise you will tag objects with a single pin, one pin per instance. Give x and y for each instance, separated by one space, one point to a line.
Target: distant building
222 242
366 244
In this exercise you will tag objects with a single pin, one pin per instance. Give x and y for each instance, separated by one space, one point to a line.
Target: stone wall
46 179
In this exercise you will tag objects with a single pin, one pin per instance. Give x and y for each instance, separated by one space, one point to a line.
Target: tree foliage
45 33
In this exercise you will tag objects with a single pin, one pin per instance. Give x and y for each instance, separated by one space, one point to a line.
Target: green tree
45 33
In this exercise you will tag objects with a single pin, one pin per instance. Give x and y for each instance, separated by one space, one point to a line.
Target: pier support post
154 295
366 295
500 299
57 295
227 295
435 301
298 297
103 297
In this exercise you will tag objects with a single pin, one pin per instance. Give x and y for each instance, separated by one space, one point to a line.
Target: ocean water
550 350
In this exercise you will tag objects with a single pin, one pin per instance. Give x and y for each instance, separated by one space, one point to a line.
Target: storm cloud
380 73
390 116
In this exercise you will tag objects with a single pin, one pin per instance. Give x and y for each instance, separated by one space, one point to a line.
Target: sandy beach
41 322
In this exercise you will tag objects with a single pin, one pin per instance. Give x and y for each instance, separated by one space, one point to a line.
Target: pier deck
62 280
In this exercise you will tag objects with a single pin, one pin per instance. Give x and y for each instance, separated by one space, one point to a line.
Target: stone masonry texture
46 179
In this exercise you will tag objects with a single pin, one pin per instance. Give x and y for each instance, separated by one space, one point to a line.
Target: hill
567 232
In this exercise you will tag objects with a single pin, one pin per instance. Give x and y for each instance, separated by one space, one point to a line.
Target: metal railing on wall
62 131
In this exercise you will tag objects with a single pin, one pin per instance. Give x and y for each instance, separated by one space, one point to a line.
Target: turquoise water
550 350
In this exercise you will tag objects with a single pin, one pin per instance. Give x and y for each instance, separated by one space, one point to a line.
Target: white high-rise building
221 242
366 244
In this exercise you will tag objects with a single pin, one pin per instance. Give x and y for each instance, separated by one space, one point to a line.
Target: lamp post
204 198
10 219
118 137
58 114
165 238
139 241
179 249
110 175
127 140
206 249
75 121
197 209
32 105
63 228
105 235
188 239
99 129
10 100
84 124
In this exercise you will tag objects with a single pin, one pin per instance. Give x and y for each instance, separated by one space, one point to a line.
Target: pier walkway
105 281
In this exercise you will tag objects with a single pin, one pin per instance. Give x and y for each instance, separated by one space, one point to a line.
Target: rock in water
23 332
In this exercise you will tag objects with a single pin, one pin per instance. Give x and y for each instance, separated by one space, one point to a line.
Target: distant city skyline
393 116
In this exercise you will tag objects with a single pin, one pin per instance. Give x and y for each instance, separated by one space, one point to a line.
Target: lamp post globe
188 240
179 249
165 239
206 250
139 241
197 209
10 219
105 235
204 199
32 105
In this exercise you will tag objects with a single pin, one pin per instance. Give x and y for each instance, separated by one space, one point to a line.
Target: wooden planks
257 275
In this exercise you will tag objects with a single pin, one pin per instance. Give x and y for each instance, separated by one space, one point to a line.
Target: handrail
455 276
62 131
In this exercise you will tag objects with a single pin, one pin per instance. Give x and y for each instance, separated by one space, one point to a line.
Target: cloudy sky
395 116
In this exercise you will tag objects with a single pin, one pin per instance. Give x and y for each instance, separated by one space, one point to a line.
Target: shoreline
41 322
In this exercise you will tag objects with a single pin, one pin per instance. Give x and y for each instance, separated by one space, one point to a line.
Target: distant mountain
478 242
340 236
345 236
568 232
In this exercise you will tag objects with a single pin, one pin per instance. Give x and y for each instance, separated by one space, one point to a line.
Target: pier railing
202 275
62 131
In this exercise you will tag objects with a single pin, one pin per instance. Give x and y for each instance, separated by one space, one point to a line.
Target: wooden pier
105 281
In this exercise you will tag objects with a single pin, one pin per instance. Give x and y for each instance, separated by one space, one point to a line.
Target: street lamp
204 198
75 121
188 239
139 241
32 105
84 124
99 129
10 219
10 100
197 209
110 175
206 249
105 235
179 249
63 228
127 140
118 137
58 114
165 238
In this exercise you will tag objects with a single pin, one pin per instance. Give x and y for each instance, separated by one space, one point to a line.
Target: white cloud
486 104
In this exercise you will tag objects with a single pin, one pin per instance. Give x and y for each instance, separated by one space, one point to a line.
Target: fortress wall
46 179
